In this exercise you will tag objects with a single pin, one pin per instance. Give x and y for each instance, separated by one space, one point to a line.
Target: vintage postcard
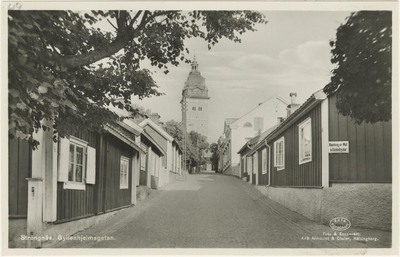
212 128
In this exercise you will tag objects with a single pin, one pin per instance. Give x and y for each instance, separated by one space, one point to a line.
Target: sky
291 53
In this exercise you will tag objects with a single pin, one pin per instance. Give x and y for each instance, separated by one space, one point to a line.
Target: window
76 163
264 161
199 108
249 165
305 147
193 108
247 125
279 152
255 163
123 172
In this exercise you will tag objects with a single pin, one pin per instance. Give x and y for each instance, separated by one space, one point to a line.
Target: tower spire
195 65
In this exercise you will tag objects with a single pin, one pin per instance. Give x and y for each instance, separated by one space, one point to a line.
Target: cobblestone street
215 211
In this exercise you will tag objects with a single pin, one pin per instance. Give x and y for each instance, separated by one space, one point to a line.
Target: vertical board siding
77 203
295 174
370 149
20 168
116 197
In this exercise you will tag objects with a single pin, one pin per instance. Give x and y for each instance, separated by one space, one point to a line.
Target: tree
174 128
64 68
361 80
197 145
214 156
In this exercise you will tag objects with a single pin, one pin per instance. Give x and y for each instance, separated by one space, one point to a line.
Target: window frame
264 161
302 158
281 140
200 108
124 185
72 184
193 108
249 164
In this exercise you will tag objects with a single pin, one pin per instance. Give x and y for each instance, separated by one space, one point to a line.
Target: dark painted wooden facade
20 168
295 174
77 203
105 195
370 149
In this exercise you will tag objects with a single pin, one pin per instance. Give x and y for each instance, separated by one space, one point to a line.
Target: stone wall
365 205
233 171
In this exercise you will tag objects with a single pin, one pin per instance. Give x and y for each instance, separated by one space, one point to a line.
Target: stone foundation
365 205
233 170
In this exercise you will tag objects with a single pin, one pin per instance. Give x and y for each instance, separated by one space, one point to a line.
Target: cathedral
195 101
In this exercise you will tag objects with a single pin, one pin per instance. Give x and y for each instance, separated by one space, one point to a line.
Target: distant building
195 102
237 131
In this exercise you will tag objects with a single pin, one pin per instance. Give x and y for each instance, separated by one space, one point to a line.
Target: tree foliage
214 156
362 80
65 68
196 143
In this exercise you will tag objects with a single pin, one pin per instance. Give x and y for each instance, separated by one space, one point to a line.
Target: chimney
280 120
292 107
156 118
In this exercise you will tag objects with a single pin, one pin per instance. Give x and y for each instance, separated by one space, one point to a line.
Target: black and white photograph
200 128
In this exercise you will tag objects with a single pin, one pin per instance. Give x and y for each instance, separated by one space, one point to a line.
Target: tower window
199 108
193 108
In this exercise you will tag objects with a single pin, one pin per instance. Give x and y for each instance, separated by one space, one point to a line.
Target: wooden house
169 162
80 176
323 165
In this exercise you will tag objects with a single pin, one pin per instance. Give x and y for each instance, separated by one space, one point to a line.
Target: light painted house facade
238 131
171 162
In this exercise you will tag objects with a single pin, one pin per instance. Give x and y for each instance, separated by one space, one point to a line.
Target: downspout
269 162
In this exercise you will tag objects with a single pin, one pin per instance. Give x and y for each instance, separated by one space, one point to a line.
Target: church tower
195 102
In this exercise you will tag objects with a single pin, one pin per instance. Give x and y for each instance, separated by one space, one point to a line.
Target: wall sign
338 146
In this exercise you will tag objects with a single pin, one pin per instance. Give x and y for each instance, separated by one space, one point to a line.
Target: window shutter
91 166
63 157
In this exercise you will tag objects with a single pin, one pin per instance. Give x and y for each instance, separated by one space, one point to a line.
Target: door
19 169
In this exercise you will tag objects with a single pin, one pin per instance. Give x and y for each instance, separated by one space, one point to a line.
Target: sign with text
338 146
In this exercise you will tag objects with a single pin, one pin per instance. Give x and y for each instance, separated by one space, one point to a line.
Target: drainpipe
269 162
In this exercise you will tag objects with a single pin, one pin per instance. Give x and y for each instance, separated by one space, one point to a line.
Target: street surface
214 211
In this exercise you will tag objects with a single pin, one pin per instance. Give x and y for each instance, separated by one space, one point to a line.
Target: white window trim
73 184
281 139
263 161
123 158
300 126
249 162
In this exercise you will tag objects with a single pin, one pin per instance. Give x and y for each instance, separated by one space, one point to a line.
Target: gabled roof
310 103
119 133
157 128
262 138
249 144
154 143
136 129
257 141
277 96
229 121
